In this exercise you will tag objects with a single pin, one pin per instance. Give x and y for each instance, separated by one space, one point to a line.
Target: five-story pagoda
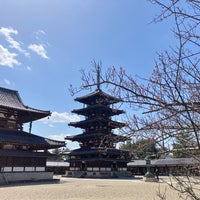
97 155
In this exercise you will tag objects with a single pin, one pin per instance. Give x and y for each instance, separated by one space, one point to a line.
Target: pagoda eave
97 159
107 99
97 151
103 109
85 137
98 121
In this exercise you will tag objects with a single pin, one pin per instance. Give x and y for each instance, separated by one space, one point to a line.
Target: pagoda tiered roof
98 94
97 150
23 138
98 155
85 136
10 101
98 120
104 109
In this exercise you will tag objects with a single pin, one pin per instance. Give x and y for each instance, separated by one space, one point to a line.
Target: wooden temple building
97 155
23 155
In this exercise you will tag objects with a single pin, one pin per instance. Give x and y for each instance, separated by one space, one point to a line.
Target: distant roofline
165 162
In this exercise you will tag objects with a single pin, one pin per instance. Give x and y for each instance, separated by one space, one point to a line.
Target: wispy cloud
59 137
11 50
7 81
7 58
28 68
39 49
39 34
60 118
7 32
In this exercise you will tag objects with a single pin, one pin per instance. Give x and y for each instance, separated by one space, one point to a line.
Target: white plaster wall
6 169
18 169
24 176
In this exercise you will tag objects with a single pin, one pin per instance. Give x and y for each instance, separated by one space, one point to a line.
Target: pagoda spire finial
98 77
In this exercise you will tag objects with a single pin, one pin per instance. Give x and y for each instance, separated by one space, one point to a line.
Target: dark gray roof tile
24 138
10 99
22 153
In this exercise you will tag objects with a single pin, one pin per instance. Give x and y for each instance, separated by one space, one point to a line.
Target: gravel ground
90 189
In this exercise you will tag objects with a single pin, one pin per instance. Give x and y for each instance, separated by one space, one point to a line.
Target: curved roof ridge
10 99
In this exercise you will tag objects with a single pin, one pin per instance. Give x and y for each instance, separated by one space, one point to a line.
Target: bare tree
168 102
169 99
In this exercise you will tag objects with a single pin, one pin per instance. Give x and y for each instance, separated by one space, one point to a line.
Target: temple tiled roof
109 151
177 161
84 136
98 94
97 120
103 108
24 138
166 162
22 153
10 99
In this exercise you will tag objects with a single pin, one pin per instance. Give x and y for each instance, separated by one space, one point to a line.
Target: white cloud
61 118
39 49
7 81
13 43
59 137
28 68
50 125
39 34
7 58
11 50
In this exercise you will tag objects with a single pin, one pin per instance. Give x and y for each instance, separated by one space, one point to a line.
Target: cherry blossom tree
168 102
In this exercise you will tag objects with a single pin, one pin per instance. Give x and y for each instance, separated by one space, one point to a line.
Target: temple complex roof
98 95
22 153
24 138
10 101
166 162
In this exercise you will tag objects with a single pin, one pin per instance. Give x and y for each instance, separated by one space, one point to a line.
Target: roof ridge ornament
98 77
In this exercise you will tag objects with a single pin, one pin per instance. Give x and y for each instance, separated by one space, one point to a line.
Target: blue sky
44 44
